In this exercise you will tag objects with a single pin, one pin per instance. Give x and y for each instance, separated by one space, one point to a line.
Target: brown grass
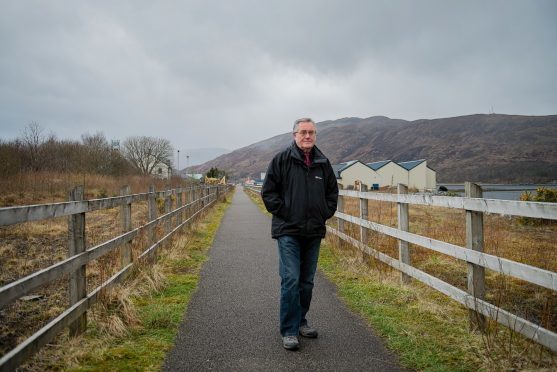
503 236
49 187
500 350
28 247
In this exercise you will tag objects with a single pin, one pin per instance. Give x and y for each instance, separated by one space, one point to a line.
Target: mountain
481 148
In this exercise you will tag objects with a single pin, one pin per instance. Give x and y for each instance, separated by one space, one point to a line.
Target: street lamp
187 164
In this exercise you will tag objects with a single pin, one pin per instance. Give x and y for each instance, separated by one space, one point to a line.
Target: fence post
404 225
196 198
475 241
179 203
189 200
168 208
152 212
192 201
340 222
78 279
363 216
126 222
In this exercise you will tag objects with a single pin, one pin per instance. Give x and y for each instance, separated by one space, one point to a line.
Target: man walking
301 192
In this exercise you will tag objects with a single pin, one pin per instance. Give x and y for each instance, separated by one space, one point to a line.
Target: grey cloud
248 68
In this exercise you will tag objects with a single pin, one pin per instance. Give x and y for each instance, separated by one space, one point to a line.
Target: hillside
480 148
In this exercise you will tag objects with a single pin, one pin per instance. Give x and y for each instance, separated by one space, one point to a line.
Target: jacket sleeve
331 193
271 192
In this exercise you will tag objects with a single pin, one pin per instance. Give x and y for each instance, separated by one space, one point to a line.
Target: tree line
34 151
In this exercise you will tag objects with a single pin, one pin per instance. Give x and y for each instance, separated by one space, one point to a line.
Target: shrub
102 194
542 195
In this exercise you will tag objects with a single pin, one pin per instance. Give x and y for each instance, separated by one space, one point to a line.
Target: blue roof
377 164
337 168
408 165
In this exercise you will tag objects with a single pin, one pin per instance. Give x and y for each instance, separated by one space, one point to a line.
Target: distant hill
480 148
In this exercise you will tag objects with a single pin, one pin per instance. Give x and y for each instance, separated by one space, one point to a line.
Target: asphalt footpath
232 321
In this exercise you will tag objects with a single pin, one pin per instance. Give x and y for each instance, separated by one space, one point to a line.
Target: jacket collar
316 154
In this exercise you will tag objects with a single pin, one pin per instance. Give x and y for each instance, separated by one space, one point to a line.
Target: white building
420 176
162 170
415 174
348 173
391 173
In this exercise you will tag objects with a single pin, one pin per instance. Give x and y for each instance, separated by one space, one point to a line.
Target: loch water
501 191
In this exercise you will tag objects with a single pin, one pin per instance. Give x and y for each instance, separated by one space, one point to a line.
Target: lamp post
178 161
187 164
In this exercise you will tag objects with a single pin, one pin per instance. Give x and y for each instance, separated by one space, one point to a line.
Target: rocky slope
480 148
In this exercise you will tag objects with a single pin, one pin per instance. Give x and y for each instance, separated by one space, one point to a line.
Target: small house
420 176
350 173
391 173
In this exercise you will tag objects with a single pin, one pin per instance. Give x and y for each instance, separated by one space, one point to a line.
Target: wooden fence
477 261
198 199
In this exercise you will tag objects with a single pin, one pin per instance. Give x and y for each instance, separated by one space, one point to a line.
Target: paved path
232 320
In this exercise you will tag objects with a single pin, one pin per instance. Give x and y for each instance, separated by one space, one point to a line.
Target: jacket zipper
307 197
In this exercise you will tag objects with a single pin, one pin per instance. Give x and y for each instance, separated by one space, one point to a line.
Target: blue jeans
298 262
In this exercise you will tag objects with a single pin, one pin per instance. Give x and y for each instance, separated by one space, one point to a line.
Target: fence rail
199 199
472 254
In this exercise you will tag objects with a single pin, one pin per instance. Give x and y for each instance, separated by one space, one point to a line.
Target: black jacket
300 198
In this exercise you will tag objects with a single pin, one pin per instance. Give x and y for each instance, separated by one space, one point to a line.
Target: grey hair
302 120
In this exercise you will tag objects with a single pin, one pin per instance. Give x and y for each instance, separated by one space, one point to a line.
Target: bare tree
97 153
32 138
147 152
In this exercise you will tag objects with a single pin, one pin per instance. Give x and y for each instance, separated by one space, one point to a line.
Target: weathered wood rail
477 261
198 199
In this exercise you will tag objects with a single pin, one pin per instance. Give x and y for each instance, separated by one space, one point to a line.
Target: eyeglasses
304 133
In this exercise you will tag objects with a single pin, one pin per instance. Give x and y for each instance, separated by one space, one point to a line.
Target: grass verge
428 333
157 300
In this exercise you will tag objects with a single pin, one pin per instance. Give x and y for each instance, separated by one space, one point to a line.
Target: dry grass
28 247
128 319
49 187
503 236
417 320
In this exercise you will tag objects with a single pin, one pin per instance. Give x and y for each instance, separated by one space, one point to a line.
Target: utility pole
178 161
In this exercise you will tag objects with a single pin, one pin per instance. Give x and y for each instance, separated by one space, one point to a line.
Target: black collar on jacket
316 154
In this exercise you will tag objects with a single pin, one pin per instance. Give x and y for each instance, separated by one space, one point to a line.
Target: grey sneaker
290 342
307 331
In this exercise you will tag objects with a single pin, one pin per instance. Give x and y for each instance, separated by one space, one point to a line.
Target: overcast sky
231 73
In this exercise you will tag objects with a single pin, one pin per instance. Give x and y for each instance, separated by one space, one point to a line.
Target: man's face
305 136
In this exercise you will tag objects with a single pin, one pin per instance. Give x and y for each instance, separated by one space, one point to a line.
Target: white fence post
475 241
364 216
404 225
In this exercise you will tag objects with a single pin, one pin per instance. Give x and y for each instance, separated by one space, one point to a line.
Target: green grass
160 314
427 333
